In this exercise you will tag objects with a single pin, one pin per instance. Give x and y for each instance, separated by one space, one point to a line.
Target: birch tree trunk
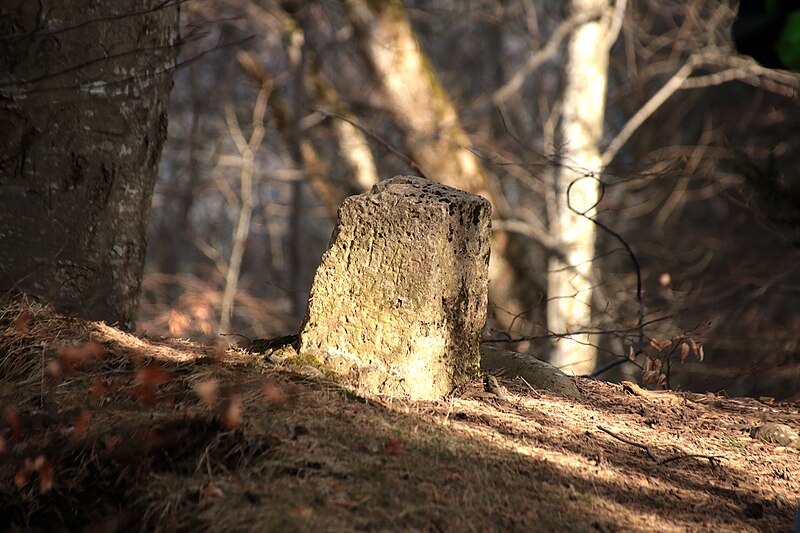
576 187
438 144
84 87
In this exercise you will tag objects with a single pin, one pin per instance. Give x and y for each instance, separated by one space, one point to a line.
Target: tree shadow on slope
106 431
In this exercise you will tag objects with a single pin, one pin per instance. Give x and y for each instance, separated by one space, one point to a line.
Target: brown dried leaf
46 476
660 345
82 425
273 393
152 374
23 475
211 492
392 447
157 438
177 323
692 344
302 512
207 391
201 311
55 368
112 441
145 393
651 373
22 322
232 413
97 389
684 347
2 444
72 357
12 419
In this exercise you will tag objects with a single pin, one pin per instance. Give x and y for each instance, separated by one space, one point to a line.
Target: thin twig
620 360
380 140
631 442
712 459
660 462
525 381
634 260
553 335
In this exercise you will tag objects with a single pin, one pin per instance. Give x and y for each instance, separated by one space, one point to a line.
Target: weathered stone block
398 303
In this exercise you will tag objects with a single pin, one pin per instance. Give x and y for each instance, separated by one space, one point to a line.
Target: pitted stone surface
398 303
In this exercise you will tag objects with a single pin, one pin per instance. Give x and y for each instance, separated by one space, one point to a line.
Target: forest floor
105 431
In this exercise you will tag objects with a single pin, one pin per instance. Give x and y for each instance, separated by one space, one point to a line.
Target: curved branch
651 106
544 54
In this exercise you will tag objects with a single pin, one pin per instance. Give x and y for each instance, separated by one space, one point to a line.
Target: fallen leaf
152 374
273 393
23 475
112 441
232 413
392 447
12 419
211 492
22 322
82 425
97 389
46 477
177 323
72 357
302 512
207 391
55 368
145 393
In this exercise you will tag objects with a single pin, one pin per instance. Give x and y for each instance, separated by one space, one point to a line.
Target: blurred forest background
282 109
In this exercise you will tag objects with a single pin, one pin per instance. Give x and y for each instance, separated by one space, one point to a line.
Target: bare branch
552 335
650 107
527 228
247 151
544 54
616 22
740 69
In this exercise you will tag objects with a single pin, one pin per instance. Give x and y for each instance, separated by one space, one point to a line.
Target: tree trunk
438 144
569 281
84 88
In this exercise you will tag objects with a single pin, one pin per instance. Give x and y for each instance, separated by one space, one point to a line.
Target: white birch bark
577 189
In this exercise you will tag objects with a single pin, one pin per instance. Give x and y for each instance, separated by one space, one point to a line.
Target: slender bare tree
576 187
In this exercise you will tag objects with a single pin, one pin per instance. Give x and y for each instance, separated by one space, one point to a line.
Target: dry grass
104 431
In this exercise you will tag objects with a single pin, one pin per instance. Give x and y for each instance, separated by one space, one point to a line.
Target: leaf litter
163 434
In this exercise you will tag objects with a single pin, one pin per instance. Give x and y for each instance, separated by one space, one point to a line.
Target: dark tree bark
84 88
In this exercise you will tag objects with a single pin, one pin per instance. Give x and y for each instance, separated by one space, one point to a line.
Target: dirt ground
103 431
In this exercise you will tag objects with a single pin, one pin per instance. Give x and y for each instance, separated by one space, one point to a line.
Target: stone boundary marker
398 303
